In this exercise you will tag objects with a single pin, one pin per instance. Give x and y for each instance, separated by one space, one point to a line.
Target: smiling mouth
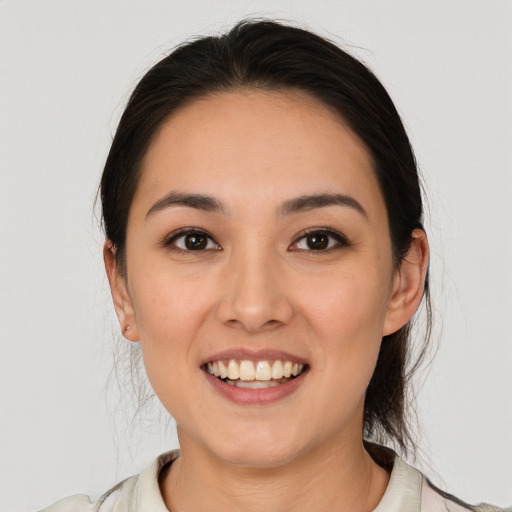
254 374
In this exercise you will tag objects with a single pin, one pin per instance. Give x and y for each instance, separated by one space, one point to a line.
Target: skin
258 286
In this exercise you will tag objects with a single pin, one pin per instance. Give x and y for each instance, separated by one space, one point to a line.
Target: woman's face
258 244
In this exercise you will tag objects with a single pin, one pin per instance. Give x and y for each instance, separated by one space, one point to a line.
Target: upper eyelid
328 231
186 231
340 241
304 233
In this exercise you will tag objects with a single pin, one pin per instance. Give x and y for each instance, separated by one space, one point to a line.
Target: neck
342 478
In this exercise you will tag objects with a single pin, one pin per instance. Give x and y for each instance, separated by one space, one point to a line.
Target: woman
265 247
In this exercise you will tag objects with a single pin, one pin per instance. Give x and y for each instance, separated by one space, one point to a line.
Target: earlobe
408 284
120 295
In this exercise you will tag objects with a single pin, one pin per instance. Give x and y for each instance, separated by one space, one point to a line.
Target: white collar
143 493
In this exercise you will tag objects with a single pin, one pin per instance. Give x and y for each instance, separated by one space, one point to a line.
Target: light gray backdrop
66 70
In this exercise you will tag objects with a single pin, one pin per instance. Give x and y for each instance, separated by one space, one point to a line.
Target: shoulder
111 501
78 503
434 500
126 496
410 491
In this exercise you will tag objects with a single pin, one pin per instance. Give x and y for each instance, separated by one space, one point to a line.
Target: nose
255 295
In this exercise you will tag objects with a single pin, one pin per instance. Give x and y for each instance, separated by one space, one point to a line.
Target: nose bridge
255 298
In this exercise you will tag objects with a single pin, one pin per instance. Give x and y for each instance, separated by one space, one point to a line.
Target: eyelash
340 240
170 241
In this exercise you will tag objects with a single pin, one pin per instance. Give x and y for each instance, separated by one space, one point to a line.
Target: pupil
318 241
195 242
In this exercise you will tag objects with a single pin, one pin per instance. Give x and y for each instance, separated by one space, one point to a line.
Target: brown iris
317 241
196 242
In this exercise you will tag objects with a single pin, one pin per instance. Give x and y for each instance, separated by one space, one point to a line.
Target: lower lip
261 396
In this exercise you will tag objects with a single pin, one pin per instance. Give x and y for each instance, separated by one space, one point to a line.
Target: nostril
254 300
253 325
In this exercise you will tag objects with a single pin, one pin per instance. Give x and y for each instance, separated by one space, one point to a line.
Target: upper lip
244 354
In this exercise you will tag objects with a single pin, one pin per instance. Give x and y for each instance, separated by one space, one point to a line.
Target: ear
408 284
120 294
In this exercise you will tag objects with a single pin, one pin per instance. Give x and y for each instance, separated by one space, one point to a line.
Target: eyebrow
311 202
296 205
197 201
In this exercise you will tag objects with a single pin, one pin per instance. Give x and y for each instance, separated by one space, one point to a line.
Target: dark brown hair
272 56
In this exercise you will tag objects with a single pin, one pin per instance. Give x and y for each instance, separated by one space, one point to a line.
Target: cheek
166 299
169 317
347 314
169 312
352 303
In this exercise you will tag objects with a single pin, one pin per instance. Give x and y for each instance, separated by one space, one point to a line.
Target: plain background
66 71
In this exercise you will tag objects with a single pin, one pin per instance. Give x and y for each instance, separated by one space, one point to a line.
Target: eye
319 240
191 240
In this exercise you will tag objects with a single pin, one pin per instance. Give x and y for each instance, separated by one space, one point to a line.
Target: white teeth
247 370
263 371
255 384
223 370
277 370
233 370
250 372
296 369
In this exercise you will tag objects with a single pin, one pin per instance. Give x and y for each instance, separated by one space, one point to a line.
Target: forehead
261 143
